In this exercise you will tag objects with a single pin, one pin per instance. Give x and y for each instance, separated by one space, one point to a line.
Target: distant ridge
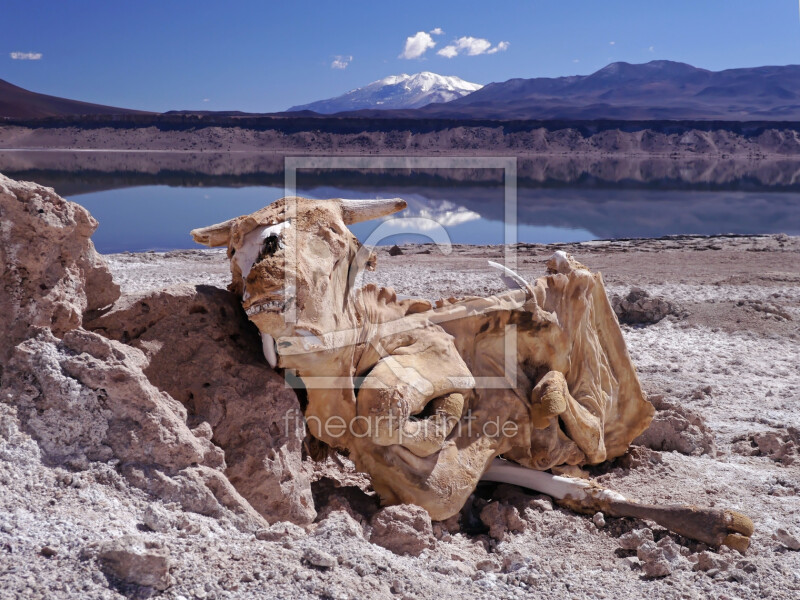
395 91
660 89
18 103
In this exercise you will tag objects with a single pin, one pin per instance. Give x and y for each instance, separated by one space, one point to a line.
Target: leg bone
715 527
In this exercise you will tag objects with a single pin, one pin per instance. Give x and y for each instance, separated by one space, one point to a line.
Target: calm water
156 210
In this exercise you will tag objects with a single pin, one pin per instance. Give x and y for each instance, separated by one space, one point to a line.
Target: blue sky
266 56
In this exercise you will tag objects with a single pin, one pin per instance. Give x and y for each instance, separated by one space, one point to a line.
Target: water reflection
152 202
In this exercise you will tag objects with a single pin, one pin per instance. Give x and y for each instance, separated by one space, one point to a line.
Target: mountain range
18 103
396 91
658 90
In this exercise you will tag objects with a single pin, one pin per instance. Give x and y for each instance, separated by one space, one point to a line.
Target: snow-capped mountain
396 91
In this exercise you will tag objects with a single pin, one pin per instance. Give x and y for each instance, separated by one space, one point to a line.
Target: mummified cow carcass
428 398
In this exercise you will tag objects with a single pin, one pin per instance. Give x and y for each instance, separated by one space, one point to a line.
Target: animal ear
214 235
356 211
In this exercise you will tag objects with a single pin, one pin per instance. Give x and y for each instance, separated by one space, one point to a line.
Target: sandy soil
727 361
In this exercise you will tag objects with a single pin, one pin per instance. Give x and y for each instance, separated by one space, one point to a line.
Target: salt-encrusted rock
788 537
403 529
633 539
501 518
338 527
85 398
675 428
156 518
51 273
711 560
319 558
661 559
639 308
279 532
599 519
203 351
136 560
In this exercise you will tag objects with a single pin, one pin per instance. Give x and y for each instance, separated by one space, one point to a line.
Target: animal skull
424 397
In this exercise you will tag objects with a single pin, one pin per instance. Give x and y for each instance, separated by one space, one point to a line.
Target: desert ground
722 368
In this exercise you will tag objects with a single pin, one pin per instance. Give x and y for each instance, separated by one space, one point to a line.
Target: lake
151 202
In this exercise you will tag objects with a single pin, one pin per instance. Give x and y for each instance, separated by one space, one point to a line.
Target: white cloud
501 47
471 46
26 55
206 99
576 60
611 43
341 62
417 45
436 31
651 49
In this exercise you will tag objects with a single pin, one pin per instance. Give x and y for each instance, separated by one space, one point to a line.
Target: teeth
269 305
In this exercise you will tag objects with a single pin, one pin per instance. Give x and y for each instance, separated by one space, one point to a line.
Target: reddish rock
202 350
403 529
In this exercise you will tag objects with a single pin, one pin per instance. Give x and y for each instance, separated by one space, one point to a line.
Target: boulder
136 560
51 272
201 349
639 308
85 398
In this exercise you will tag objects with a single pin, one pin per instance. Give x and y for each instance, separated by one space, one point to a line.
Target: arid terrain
722 369
404 136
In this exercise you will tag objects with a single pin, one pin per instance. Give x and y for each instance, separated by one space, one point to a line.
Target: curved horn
355 211
214 235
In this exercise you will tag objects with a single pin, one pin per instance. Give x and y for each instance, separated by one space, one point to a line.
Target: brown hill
18 103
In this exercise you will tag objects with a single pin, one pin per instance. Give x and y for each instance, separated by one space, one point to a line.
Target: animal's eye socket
270 246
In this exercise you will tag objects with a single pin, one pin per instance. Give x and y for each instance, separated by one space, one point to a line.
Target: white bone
558 487
510 278
247 254
268 344
356 211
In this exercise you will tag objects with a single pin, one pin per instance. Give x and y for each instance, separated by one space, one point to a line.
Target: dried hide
424 396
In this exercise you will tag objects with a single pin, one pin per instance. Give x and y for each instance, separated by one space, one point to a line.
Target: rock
338 527
278 532
711 560
788 537
639 308
156 518
51 272
136 560
777 445
501 518
488 565
661 559
633 539
319 558
203 351
675 428
395 250
599 520
85 398
403 529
